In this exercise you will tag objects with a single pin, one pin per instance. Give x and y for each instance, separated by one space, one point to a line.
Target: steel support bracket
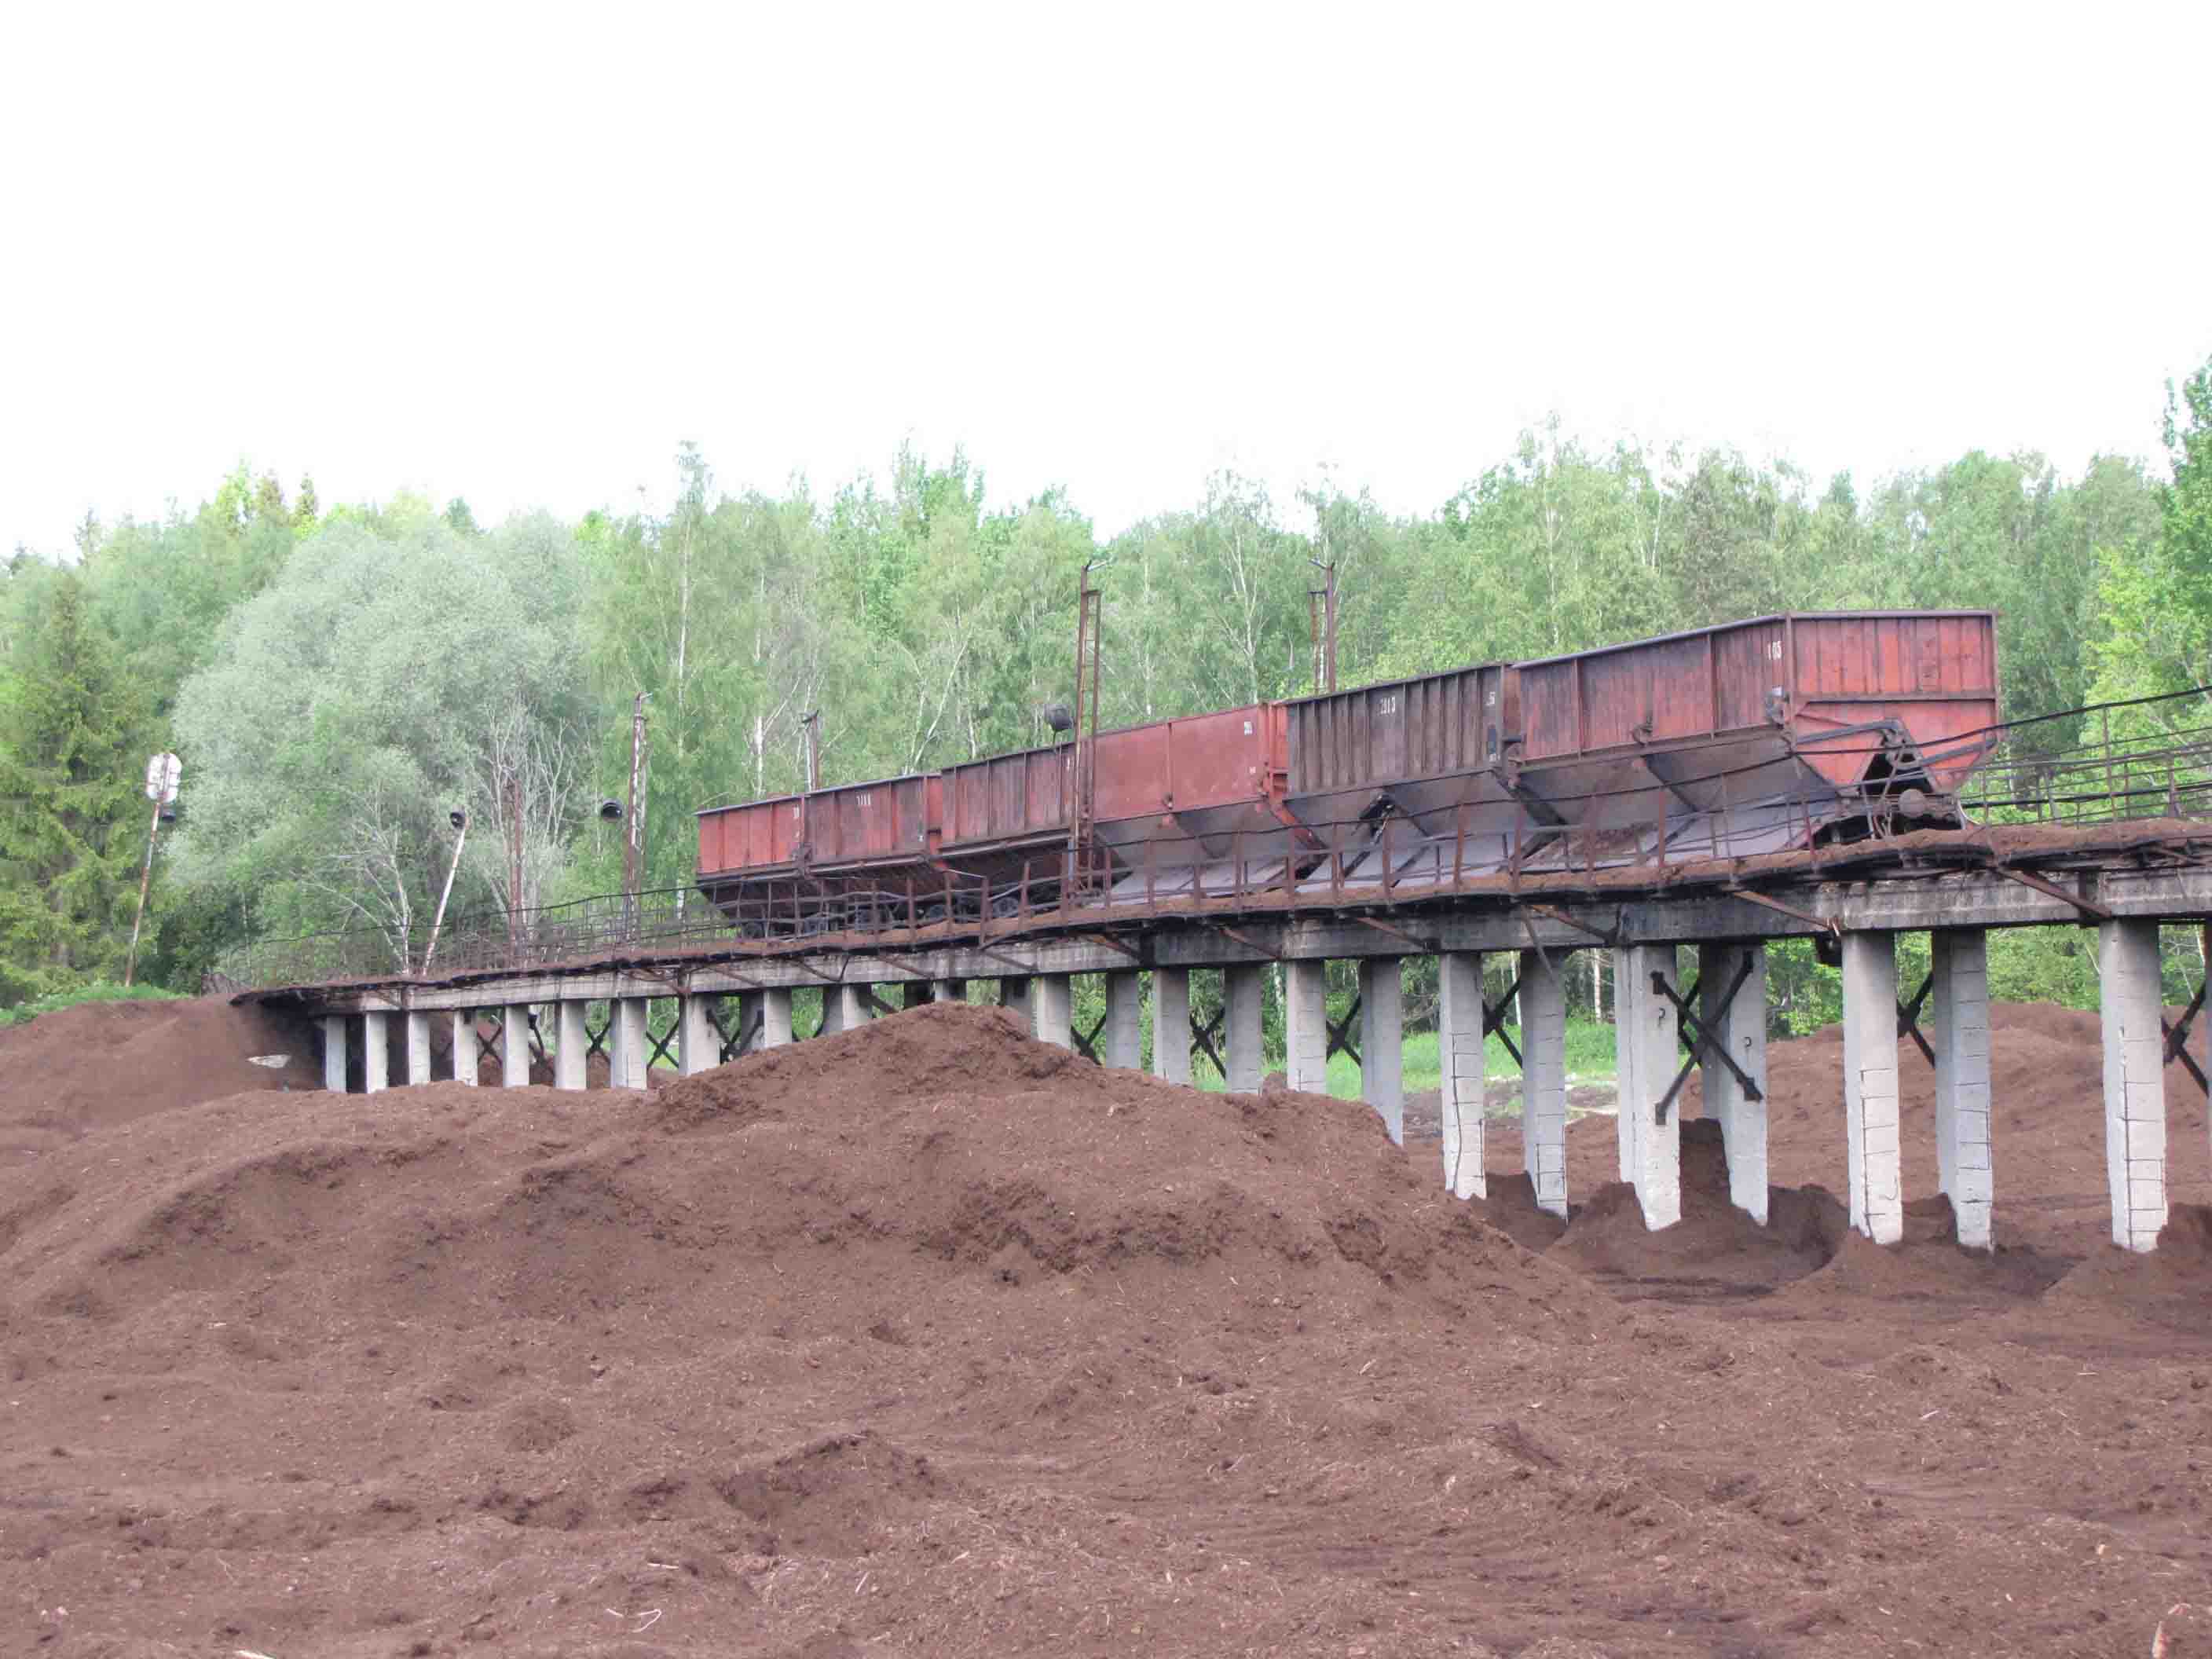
1703 1047
1246 940
1339 1038
1494 1019
1425 946
2088 907
1908 1019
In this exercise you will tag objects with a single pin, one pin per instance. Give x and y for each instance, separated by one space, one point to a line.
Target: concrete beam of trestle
1957 899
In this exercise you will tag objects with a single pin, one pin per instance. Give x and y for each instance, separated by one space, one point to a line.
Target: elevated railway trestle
1839 777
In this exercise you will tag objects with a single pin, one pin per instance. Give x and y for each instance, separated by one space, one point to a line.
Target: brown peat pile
927 1338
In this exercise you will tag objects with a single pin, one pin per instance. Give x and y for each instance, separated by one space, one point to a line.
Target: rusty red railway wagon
880 830
1750 736
1181 790
1831 716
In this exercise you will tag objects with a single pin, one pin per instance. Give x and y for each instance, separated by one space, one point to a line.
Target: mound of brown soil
2171 1286
927 1338
102 1063
1716 1250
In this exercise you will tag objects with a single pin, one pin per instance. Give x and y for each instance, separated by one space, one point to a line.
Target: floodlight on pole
459 819
162 772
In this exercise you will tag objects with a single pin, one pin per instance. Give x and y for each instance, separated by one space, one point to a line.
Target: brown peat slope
927 1338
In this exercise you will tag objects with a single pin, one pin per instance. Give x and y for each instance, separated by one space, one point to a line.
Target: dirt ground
926 1339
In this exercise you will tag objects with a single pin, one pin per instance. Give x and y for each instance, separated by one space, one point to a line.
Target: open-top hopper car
1751 737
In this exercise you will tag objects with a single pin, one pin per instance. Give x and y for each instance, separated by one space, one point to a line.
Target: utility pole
460 822
634 829
1089 615
162 772
1321 616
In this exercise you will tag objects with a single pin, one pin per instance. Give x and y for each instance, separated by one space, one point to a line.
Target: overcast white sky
518 253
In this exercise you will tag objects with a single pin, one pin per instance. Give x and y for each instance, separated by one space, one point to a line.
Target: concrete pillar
851 1002
775 1018
948 990
1305 1026
612 1042
1870 1112
698 1046
1014 994
1737 1026
1544 1078
375 1054
1382 1041
1461 1056
1171 1024
913 994
572 1046
418 1045
1123 1041
2135 1081
747 1033
334 1055
1243 1033
1960 997
515 1046
464 1046
626 1043
1645 1050
1052 1010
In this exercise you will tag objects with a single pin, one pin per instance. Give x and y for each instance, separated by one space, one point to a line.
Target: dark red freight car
1428 745
1173 792
881 830
1774 729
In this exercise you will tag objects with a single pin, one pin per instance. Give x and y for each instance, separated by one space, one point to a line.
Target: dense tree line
338 678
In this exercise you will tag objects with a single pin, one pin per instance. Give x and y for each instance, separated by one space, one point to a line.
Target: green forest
338 677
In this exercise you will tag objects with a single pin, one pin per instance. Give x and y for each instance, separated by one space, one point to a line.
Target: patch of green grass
99 991
1590 1060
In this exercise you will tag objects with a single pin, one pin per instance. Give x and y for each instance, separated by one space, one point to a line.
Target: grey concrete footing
628 1047
2135 1081
1958 965
1382 1041
1244 989
1649 1132
746 1034
418 1046
775 1018
334 1053
1171 1024
1464 1061
698 1045
572 1046
1305 1026
515 1046
833 1011
1123 1041
375 1054
1014 995
464 1046
1737 1028
1875 1155
1544 1078
1052 1010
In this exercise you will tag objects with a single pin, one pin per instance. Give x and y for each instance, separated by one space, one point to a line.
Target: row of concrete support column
1650 1023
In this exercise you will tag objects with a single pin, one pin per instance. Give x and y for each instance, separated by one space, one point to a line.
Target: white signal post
162 772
